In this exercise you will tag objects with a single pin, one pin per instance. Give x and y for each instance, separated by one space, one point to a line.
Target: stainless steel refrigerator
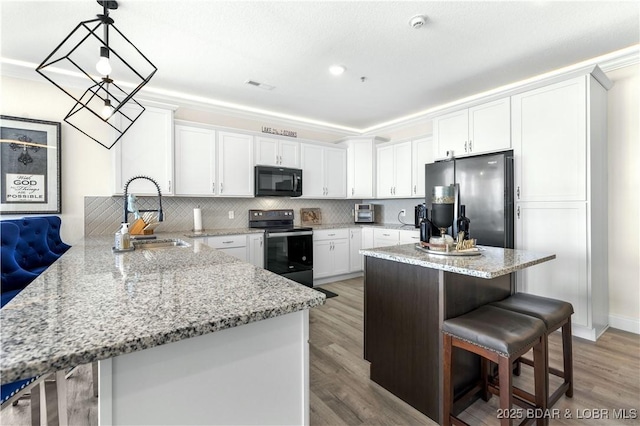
485 187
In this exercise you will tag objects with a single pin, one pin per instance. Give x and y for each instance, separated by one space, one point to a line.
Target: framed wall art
29 166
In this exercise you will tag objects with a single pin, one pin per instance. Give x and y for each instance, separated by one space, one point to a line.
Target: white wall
624 194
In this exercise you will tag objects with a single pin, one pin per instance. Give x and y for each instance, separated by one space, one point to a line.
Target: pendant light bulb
107 110
104 65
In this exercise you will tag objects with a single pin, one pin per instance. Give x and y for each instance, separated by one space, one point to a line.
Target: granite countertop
366 225
239 231
222 231
92 304
493 262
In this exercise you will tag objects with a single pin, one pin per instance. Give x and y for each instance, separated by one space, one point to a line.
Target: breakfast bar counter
164 324
408 294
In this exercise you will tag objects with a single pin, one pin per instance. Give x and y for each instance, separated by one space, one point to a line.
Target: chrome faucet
126 186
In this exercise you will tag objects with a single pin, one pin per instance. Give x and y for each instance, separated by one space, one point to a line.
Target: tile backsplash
103 215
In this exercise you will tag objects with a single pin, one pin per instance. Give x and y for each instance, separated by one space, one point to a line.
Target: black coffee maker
420 214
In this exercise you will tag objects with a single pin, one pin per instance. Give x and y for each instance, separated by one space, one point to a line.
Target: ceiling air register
113 71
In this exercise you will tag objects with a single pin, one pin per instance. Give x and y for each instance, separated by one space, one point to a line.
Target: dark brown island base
408 294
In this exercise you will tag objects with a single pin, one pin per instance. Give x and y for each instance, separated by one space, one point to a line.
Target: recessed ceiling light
337 69
260 85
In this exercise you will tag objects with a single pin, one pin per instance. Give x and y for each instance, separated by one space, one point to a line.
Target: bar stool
500 336
555 314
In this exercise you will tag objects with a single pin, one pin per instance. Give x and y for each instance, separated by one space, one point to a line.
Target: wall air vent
260 85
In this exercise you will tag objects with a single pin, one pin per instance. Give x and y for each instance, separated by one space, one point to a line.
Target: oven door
290 254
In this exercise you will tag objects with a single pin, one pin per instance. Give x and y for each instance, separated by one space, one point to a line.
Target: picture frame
30 160
310 217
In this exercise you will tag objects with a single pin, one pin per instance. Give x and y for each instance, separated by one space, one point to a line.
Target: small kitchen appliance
364 213
288 249
420 214
443 200
277 182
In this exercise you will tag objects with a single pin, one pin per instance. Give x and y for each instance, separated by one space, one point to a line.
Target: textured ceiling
210 48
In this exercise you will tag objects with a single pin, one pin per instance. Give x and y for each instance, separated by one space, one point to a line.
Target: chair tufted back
32 251
53 235
14 278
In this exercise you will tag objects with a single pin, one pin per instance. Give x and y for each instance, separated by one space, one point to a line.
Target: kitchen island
183 335
407 295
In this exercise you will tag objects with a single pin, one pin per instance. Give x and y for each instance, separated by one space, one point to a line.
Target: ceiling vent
260 85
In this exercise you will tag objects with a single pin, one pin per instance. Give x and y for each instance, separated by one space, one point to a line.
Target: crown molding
598 66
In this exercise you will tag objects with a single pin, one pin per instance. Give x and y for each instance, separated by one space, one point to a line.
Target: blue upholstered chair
32 251
14 278
54 240
11 393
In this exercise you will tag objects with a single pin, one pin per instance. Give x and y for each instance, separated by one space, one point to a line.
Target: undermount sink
162 243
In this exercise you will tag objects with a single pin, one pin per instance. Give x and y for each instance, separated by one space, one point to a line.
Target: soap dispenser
126 240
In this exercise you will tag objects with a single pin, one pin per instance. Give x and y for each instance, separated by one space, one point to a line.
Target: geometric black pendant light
115 71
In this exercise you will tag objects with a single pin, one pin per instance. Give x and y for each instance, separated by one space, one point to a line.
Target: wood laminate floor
607 378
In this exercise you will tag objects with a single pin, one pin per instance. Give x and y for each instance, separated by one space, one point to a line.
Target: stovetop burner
274 220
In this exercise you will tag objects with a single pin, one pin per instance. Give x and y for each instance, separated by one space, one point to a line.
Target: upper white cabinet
195 160
476 130
549 134
146 149
394 170
361 164
422 153
324 171
235 165
277 152
560 151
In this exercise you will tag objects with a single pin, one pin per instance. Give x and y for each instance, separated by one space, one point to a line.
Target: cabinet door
235 164
322 259
289 152
335 173
146 149
557 228
385 172
256 250
385 237
549 142
266 151
422 154
450 133
312 163
360 164
407 237
195 160
367 238
490 127
403 174
356 261
340 254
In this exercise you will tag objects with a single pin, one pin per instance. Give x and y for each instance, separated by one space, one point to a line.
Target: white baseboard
336 278
632 325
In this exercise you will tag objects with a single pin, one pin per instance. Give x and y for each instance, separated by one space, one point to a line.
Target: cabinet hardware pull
352 190
213 187
169 186
518 193
260 242
331 235
414 189
470 148
386 235
465 146
227 242
518 212
221 188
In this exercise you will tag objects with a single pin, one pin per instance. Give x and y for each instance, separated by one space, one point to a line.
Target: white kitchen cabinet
195 160
409 236
560 150
394 170
256 249
277 152
356 260
234 245
330 252
146 149
385 237
422 153
235 165
476 130
324 171
367 238
361 164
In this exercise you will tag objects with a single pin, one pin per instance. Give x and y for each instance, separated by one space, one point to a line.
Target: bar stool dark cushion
496 329
551 311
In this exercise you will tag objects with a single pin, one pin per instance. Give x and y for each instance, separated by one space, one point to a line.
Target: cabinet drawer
386 234
227 241
330 234
407 237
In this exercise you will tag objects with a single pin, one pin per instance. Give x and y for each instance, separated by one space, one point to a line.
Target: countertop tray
449 253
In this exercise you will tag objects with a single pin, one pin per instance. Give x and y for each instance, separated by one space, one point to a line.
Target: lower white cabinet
385 237
367 238
356 260
234 245
409 236
330 252
256 249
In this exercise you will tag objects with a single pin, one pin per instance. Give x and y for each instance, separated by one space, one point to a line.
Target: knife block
138 228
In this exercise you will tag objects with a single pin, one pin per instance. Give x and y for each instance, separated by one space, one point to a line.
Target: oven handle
288 234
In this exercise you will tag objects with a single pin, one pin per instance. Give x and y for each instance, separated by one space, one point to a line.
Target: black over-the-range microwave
278 182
